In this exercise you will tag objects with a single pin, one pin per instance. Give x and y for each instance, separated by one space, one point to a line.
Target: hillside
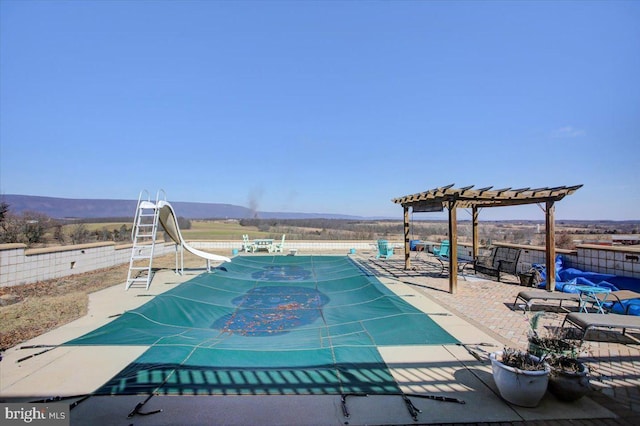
60 208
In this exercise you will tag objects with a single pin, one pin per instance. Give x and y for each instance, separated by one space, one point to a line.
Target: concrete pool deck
444 370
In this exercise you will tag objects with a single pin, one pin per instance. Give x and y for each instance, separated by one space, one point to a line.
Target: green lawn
200 229
220 230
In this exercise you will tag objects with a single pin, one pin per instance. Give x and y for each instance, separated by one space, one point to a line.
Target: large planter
569 385
520 387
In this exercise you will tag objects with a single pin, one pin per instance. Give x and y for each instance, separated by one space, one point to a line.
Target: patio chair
443 250
247 246
384 249
502 260
279 247
443 255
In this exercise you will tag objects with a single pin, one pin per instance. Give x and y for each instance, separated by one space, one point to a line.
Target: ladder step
136 280
140 257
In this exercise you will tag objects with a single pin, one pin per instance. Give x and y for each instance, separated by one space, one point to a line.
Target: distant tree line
36 228
516 232
32 229
80 234
325 229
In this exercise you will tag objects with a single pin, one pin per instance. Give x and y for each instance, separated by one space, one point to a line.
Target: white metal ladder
143 234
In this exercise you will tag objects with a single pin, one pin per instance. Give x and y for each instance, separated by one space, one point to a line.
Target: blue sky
315 106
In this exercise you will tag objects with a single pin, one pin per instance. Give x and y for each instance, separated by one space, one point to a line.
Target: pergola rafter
451 198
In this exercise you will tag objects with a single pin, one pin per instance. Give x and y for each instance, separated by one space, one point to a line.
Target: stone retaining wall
19 265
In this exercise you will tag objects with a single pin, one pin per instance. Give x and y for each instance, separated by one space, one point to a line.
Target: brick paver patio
613 358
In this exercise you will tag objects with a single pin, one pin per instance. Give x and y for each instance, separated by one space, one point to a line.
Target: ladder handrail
161 191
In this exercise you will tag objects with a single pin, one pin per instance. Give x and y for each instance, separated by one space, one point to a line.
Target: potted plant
521 378
569 377
559 341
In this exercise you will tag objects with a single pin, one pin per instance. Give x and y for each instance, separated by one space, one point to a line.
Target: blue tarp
568 278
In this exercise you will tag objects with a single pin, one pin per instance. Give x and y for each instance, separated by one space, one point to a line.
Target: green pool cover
267 325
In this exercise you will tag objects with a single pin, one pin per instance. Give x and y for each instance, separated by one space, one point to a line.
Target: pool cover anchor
50 348
343 400
413 410
139 405
473 352
438 398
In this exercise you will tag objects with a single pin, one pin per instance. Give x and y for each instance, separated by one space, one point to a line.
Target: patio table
263 244
427 247
597 296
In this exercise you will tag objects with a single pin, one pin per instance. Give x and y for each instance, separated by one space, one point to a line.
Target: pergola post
453 248
474 231
407 247
550 238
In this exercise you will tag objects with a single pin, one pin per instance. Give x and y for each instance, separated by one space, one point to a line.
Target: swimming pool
267 325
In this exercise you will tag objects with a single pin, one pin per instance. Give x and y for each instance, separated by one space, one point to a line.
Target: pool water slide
169 221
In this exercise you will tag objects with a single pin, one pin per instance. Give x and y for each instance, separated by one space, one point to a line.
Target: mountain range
71 208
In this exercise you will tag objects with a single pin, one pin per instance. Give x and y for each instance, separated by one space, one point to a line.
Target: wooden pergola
438 199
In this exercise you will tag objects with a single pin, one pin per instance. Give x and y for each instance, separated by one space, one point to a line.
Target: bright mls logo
35 414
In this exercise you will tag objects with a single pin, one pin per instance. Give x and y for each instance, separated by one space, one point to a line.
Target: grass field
220 230
200 229
519 232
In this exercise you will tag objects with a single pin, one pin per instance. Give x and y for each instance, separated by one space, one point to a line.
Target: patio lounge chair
384 249
620 301
529 296
443 250
279 247
588 321
247 246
